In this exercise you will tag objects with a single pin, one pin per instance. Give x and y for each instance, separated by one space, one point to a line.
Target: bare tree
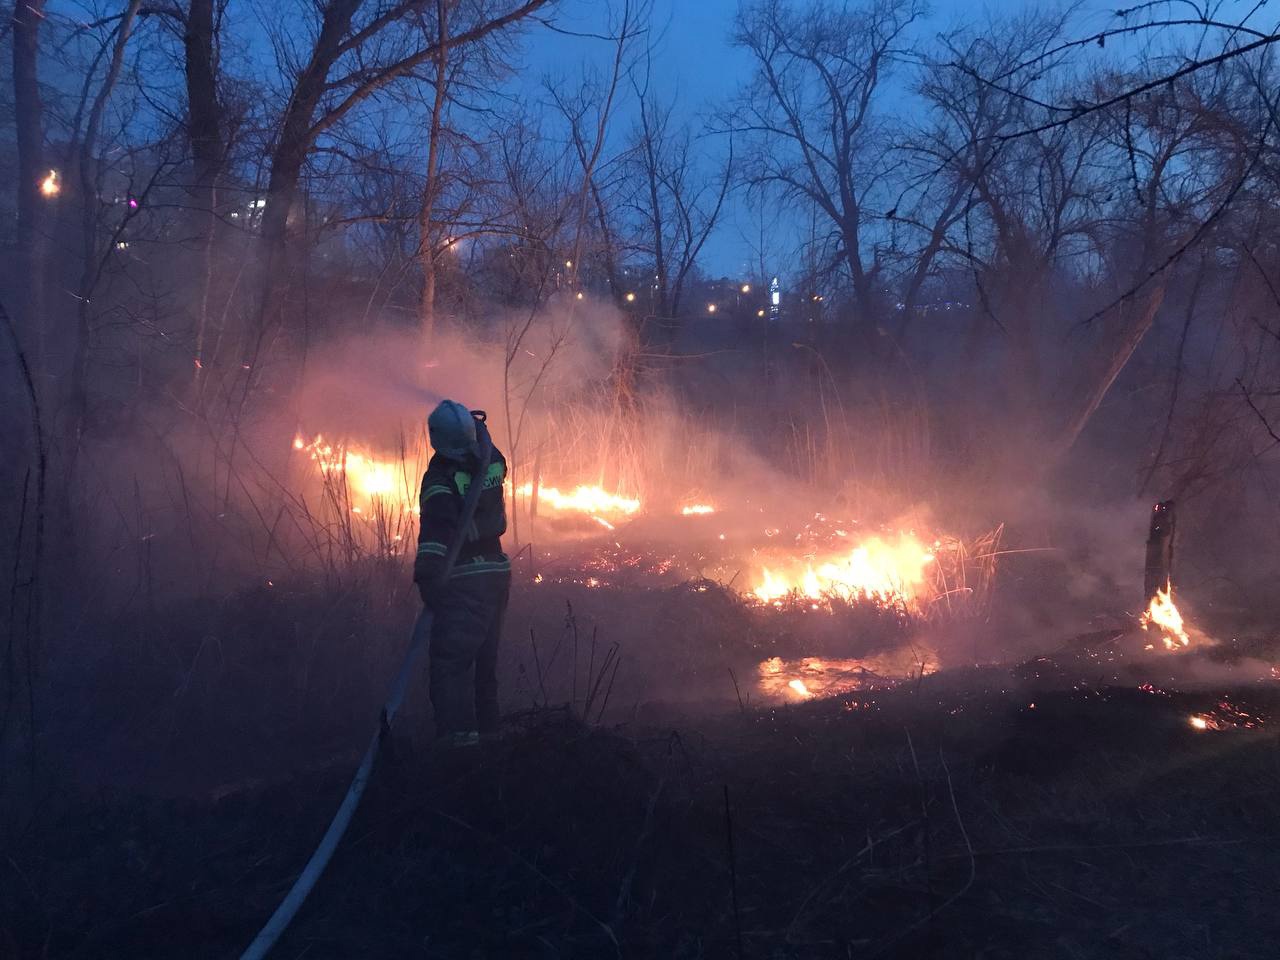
432 188
354 34
1030 204
676 200
28 15
1189 155
92 262
811 113
206 132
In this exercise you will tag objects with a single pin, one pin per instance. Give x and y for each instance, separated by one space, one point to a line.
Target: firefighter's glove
427 574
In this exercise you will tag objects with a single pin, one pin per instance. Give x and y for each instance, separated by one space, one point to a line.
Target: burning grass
824 561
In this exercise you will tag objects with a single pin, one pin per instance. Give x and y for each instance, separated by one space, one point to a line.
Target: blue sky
696 66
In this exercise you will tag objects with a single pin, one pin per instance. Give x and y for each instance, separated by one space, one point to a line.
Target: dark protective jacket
444 488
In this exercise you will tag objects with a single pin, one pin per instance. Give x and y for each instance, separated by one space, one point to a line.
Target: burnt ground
947 817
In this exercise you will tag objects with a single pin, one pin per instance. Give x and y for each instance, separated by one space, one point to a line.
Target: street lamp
51 186
631 297
746 288
711 308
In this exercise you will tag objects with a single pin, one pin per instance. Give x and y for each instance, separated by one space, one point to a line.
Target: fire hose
302 887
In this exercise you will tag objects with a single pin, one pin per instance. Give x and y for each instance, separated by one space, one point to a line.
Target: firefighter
469 605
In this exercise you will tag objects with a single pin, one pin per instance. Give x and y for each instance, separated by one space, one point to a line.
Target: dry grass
944 820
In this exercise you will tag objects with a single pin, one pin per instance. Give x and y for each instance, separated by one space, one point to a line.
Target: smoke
383 382
777 438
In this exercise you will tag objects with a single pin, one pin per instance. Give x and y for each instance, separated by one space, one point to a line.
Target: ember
813 677
1227 715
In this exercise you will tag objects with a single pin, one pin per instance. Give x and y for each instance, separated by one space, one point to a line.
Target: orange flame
697 510
1164 614
877 570
366 476
583 499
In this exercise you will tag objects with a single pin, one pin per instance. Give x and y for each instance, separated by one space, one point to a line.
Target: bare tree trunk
609 251
91 268
205 133
656 220
430 192
1095 391
287 159
31 236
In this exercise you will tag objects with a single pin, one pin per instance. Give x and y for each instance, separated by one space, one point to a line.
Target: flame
799 687
813 677
1163 612
697 510
877 570
51 185
370 478
583 499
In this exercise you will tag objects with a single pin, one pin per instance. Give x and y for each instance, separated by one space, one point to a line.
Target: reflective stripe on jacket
444 488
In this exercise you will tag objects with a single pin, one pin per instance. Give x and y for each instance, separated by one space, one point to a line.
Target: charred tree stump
1159 570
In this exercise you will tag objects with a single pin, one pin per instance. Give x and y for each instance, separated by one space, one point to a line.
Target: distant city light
568 264
51 186
746 288
631 297
711 308
580 295
760 313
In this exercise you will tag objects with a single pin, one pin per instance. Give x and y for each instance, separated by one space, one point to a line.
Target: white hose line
280 920
289 907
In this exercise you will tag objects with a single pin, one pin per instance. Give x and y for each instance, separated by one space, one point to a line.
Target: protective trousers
464 652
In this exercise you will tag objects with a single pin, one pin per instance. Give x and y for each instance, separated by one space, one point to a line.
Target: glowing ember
1163 613
583 499
877 570
697 510
812 677
51 185
1227 715
364 475
799 687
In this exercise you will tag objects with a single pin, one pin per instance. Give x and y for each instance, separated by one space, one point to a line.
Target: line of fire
637 478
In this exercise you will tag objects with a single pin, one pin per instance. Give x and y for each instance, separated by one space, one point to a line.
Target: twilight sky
696 67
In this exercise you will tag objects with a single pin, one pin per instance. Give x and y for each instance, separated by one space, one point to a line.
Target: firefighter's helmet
452 430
